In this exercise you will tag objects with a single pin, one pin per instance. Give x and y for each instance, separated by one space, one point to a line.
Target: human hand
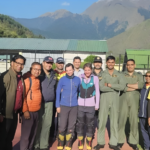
96 108
149 121
27 115
105 84
109 85
58 110
1 118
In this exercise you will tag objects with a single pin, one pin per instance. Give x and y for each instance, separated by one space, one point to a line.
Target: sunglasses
147 76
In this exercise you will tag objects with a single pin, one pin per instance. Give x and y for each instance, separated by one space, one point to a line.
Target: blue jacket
143 112
67 91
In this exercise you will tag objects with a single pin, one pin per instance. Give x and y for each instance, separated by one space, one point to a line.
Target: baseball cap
60 60
98 59
48 59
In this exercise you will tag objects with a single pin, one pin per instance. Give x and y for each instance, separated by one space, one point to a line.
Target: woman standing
88 102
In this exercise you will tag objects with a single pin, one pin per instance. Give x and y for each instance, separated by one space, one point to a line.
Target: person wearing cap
98 71
77 70
48 89
143 111
59 72
112 82
129 105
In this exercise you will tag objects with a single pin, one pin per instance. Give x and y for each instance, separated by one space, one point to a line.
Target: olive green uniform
128 107
99 75
109 103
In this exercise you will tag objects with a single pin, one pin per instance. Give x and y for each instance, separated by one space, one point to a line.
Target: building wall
30 58
69 57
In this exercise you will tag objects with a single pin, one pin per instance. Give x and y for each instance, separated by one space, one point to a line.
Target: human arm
2 87
58 94
130 90
103 87
25 108
97 91
120 86
149 112
139 85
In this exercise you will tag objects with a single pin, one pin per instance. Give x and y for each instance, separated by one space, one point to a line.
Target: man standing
31 106
77 63
98 71
48 87
144 107
11 99
59 72
129 104
110 85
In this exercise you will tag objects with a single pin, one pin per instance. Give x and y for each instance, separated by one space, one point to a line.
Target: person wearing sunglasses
143 111
129 105
48 89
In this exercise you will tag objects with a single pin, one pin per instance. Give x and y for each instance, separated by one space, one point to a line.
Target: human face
110 64
69 71
77 63
18 65
36 70
130 66
147 78
87 71
59 66
47 65
97 65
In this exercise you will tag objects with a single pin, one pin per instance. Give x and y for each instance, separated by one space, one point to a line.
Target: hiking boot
114 147
134 146
98 146
80 142
120 145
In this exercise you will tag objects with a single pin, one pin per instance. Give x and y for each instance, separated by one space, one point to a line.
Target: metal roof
92 46
53 44
141 57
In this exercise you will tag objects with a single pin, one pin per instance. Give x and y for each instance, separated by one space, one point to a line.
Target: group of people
73 103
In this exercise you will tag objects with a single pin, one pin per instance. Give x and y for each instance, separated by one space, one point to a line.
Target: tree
89 59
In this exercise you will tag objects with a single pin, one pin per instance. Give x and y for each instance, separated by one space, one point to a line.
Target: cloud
65 4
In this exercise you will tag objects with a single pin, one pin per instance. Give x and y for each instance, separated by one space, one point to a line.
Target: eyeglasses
147 76
19 64
36 69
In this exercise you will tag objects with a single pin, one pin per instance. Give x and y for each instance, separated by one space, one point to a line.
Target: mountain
61 24
137 37
104 19
11 28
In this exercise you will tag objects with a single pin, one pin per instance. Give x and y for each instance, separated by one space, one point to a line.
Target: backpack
30 88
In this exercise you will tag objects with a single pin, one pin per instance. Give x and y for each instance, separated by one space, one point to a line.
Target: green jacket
117 84
135 78
98 75
8 87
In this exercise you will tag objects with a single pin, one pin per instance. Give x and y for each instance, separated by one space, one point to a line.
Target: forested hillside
13 29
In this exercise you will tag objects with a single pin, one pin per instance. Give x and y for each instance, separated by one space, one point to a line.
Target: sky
35 8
